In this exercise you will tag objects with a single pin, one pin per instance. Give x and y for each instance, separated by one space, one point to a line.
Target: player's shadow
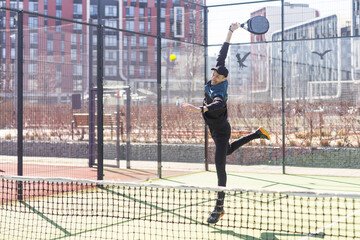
264 235
272 235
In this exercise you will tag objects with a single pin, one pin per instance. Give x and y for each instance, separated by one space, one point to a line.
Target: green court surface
149 212
268 181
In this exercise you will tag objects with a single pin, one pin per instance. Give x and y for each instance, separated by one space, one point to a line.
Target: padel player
214 112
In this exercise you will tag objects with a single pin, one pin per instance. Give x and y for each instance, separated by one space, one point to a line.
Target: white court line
329 225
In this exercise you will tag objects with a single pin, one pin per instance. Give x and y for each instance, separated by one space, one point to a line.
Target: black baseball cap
222 70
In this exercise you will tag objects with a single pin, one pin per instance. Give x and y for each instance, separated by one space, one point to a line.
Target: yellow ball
172 57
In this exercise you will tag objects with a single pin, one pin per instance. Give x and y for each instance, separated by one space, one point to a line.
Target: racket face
258 25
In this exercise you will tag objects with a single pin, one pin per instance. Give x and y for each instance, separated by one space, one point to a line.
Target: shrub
324 143
8 136
302 135
339 143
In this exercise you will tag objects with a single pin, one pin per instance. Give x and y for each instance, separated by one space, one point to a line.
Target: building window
142 71
110 55
73 54
50 45
132 70
58 2
73 39
142 41
77 9
77 26
162 12
149 71
45 25
179 21
33 22
110 40
110 11
77 85
133 56
33 53
77 70
12 53
33 38
32 68
133 41
125 56
110 71
94 40
129 25
12 22
141 12
111 23
129 11
149 27
162 27
141 27
58 13
93 10
33 6
125 41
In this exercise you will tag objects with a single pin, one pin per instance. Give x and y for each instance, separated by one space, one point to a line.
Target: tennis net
43 208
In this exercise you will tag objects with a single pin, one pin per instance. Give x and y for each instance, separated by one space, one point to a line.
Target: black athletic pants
221 137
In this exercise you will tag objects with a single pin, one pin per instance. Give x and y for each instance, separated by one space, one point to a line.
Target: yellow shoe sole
263 131
221 215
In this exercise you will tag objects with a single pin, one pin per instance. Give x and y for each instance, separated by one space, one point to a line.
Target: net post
100 106
206 160
20 47
158 73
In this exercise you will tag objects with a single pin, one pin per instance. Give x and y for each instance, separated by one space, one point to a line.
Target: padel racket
256 25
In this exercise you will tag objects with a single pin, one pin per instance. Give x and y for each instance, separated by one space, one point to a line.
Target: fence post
128 106
91 101
20 45
205 80
282 87
159 88
100 106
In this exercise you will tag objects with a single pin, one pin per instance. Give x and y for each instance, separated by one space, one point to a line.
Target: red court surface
110 173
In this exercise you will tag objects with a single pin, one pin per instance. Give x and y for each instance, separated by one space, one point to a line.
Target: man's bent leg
259 133
241 141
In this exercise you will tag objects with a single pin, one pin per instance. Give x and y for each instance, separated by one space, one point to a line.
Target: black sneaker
263 133
215 215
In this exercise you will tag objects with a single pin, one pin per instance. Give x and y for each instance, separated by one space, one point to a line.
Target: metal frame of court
100 89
